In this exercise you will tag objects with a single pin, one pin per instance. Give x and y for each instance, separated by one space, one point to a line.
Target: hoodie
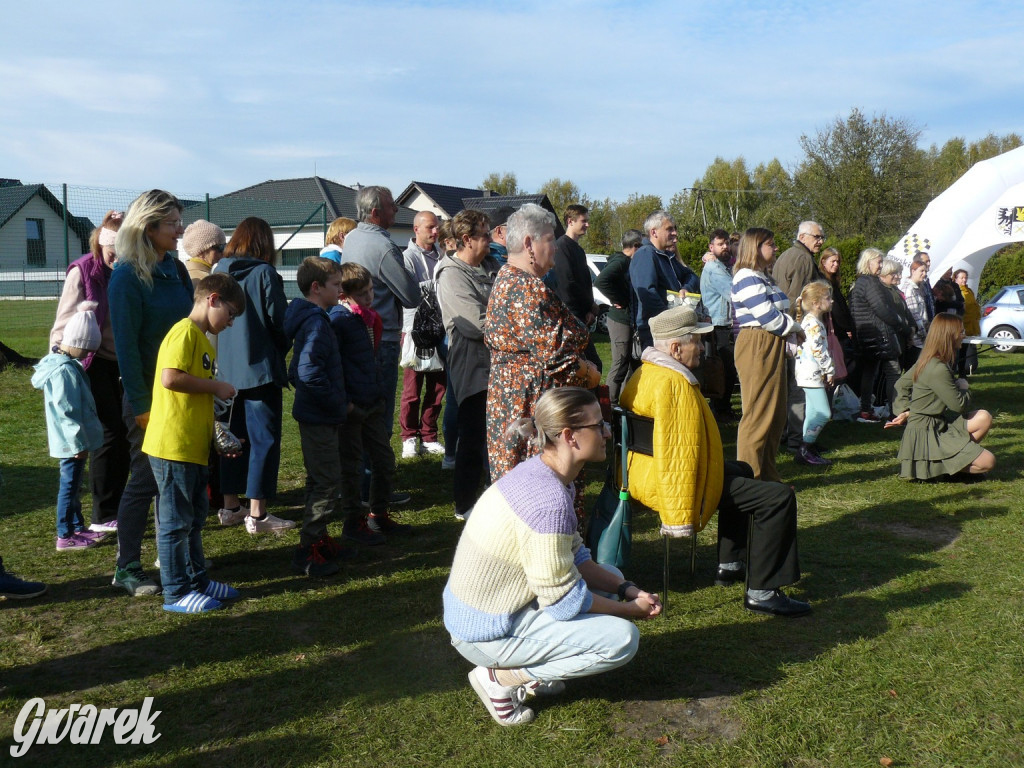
251 352
72 425
315 371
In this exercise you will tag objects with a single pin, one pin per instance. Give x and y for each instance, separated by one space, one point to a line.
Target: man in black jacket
614 283
574 285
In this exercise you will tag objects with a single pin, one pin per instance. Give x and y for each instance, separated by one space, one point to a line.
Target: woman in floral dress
536 344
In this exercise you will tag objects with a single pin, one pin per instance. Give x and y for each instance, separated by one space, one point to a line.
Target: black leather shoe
726 578
777 605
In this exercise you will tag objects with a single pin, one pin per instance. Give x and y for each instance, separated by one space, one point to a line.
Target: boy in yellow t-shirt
178 443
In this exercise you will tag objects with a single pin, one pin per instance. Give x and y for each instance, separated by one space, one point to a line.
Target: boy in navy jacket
320 408
365 432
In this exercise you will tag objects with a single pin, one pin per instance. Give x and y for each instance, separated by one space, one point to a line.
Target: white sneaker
505 704
410 450
268 524
544 687
433 447
232 516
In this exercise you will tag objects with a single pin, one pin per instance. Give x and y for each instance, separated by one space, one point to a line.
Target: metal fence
44 227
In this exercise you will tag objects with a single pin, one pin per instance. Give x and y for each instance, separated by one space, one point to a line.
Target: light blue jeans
548 649
816 413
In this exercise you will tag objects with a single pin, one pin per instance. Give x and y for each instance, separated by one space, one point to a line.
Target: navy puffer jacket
315 371
362 386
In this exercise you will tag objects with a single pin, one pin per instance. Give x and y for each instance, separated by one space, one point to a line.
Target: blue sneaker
220 591
193 602
17 589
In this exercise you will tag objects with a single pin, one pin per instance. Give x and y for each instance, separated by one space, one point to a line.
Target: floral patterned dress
536 344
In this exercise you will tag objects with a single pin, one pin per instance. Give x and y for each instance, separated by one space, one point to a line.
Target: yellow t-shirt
181 425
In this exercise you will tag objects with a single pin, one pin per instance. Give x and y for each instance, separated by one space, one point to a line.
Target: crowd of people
169 377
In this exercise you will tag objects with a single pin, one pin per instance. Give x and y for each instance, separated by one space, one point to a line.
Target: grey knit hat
82 330
200 236
677 322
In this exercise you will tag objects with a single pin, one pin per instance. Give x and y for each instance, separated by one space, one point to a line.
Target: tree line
865 179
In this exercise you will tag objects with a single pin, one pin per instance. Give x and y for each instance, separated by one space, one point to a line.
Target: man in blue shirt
716 292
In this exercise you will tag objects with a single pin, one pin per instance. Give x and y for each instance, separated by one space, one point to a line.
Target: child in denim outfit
73 428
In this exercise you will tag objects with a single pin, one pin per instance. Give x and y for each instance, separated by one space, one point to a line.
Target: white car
596 262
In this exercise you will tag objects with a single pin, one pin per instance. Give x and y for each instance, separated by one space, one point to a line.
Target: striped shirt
760 303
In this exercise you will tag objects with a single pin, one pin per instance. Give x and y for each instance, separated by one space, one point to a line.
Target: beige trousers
761 365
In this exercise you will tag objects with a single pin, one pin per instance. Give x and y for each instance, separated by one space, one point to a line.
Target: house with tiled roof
298 211
440 199
489 203
34 252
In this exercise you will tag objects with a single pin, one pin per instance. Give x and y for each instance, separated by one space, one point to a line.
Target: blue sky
618 97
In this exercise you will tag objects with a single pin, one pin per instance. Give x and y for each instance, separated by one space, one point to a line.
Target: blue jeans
69 503
256 419
183 507
548 649
816 414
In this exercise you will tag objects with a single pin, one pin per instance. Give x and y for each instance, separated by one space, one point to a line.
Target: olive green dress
935 442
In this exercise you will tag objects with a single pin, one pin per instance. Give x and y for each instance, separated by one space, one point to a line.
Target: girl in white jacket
814 367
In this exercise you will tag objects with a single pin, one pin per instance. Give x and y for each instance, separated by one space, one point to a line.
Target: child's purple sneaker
94 536
74 542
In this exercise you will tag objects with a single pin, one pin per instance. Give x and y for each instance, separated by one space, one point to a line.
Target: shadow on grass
27 488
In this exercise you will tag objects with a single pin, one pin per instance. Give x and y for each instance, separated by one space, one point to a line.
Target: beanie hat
200 236
82 330
677 322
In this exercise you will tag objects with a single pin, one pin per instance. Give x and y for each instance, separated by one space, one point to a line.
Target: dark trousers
323 475
771 508
621 337
722 339
364 434
792 435
471 454
108 471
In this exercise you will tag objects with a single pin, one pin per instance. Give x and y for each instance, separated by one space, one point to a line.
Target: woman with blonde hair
334 240
150 290
761 310
525 602
88 279
935 443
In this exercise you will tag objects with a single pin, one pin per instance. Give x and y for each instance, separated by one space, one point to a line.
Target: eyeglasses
219 248
816 237
603 425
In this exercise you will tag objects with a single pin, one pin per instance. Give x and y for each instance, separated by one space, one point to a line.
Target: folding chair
640 439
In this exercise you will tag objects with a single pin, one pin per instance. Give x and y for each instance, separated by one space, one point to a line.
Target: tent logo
1010 219
913 243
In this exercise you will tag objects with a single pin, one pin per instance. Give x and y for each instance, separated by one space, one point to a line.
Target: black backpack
427 325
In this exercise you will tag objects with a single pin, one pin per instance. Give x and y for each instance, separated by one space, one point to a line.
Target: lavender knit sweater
520 544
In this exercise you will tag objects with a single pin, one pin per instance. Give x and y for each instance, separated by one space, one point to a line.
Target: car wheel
601 323
1004 332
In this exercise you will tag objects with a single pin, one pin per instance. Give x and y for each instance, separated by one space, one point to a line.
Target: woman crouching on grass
936 442
525 602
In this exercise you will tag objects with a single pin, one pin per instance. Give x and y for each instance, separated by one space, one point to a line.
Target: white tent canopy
980 213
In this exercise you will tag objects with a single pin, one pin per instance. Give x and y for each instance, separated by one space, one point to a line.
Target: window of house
35 243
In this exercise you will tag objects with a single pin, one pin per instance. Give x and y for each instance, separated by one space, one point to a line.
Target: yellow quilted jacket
682 481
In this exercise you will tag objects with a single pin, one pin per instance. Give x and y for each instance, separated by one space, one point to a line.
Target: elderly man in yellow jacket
687 478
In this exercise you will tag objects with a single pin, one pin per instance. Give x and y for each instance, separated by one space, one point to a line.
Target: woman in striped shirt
761 313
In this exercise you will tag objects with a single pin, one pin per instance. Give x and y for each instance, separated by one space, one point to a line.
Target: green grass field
913 651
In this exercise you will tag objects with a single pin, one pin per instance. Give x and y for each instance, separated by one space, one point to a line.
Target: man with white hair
394 287
655 270
793 270
687 478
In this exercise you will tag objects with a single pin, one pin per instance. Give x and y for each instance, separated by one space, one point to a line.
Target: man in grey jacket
370 244
793 270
